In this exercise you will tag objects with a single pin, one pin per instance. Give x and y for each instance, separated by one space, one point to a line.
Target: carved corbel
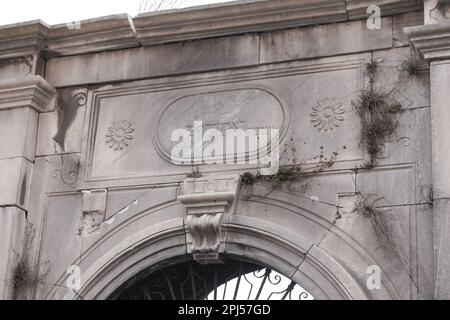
93 212
207 200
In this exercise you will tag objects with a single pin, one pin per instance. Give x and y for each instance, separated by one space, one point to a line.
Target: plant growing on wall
366 206
383 222
293 173
378 121
377 115
412 67
24 275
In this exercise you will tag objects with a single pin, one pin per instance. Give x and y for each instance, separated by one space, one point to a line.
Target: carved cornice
431 42
31 91
22 39
93 35
206 201
257 16
237 17
357 9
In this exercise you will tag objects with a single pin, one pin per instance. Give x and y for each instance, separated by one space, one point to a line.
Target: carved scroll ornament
206 201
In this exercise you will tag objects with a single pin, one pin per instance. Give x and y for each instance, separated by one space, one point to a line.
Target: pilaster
21 100
432 43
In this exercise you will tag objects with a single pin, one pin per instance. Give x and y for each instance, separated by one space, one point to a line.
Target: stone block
19 128
270 249
425 253
325 40
60 242
442 251
309 274
12 230
15 68
149 62
14 183
312 218
124 203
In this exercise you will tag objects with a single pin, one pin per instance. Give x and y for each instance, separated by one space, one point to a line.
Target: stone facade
89 195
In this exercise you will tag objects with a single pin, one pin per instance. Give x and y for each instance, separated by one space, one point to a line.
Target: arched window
232 280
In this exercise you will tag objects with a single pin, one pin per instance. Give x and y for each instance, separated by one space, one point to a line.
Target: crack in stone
303 260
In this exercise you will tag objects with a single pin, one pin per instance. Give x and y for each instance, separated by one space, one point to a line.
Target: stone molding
31 91
431 42
159 243
237 17
22 39
206 201
357 9
257 16
93 35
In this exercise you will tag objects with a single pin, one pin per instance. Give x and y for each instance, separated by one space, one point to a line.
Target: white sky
61 11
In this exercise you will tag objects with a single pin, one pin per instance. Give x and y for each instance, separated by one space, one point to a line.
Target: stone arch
156 234
321 275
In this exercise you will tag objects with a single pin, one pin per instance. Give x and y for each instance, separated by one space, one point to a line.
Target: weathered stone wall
113 208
